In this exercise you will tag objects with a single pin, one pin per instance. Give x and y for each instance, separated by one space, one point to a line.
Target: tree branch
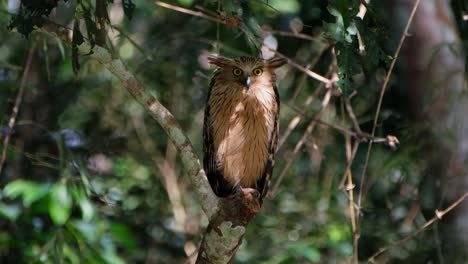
438 216
209 201
228 217
101 15
382 92
18 100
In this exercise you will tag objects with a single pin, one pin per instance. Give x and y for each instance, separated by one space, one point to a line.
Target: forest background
372 162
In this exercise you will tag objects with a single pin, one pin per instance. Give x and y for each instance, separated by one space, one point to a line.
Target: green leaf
128 8
70 255
122 234
76 41
79 195
87 209
343 29
312 254
60 204
291 6
27 190
345 9
349 64
10 211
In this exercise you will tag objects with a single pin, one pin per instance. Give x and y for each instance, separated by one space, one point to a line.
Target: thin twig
304 76
382 92
295 120
300 143
18 101
349 163
363 137
169 176
101 13
350 189
438 216
218 49
293 34
362 12
301 114
363 9
310 73
142 50
189 11
206 10
351 115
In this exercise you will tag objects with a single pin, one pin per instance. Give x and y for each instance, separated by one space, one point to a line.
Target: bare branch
363 9
218 48
301 113
228 217
300 143
18 100
351 115
382 92
297 119
209 201
350 154
304 76
438 216
101 14
189 12
168 173
363 137
293 34
310 73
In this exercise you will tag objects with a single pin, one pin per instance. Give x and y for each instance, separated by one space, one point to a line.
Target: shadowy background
89 177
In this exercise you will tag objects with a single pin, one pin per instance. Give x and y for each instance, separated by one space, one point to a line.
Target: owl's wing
210 163
264 182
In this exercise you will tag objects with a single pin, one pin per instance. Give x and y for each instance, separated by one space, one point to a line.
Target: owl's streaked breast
242 124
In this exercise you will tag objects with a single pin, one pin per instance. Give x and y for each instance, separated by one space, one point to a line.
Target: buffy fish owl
241 124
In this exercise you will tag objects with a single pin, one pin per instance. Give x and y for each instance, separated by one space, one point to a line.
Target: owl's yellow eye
237 72
258 72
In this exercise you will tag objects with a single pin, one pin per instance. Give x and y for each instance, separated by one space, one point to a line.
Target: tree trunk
434 69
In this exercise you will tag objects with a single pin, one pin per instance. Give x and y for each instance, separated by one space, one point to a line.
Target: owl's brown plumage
241 124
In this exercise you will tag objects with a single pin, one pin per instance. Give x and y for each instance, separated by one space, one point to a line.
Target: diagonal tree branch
166 120
438 216
382 92
18 100
209 201
228 217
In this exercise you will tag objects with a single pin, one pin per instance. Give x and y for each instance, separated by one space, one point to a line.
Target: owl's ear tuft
275 63
219 60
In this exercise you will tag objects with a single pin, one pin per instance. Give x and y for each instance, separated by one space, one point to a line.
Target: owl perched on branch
241 124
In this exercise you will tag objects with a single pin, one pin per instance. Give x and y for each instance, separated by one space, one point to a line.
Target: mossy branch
228 217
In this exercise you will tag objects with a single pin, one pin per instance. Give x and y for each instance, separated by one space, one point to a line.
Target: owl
241 124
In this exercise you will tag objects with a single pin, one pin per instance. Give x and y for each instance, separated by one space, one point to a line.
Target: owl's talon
250 191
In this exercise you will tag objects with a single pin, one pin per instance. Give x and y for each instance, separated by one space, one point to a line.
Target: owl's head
246 70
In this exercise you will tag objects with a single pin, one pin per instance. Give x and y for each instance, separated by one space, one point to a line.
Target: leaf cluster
360 45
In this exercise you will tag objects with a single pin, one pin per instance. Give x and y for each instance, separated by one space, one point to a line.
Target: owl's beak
247 82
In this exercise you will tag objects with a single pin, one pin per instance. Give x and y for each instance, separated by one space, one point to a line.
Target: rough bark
227 228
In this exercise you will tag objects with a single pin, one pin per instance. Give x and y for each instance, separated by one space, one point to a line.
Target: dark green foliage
30 15
76 41
345 32
128 7
85 179
349 64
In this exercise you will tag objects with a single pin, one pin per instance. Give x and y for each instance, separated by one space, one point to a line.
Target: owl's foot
250 192
245 193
